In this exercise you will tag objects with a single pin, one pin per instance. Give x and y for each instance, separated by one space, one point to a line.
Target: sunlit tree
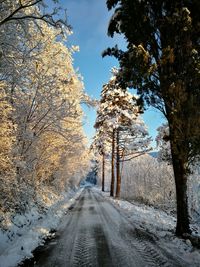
118 115
44 95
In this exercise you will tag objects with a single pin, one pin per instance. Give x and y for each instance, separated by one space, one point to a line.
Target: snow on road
96 233
96 230
161 225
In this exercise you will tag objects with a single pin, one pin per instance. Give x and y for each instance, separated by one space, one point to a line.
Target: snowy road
95 233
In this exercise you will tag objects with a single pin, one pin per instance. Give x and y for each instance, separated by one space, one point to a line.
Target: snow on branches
119 125
40 98
118 110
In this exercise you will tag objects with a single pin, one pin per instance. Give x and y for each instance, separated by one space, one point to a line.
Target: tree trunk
179 161
118 188
103 172
112 166
176 90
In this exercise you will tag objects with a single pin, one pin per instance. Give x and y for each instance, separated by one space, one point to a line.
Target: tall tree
118 112
112 183
101 144
162 61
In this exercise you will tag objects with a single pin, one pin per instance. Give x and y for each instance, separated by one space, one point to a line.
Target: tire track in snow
83 251
137 240
97 234
119 250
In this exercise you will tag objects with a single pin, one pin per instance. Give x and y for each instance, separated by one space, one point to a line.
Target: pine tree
162 62
118 114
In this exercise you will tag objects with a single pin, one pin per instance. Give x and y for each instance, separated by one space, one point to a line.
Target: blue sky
89 20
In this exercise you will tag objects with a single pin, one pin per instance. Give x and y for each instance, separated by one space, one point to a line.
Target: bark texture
112 184
103 172
118 187
181 175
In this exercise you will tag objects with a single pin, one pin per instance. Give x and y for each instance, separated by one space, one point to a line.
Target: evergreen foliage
162 62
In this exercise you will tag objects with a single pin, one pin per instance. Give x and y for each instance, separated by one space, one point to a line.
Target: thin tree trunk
103 172
112 165
118 188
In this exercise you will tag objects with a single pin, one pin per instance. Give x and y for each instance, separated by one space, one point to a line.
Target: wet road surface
95 233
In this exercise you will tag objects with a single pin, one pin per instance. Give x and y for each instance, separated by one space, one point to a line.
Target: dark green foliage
162 62
162 58
111 3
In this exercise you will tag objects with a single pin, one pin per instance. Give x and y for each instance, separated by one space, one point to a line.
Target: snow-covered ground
161 225
26 232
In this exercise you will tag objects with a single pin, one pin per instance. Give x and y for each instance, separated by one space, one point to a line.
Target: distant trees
117 116
153 182
162 62
162 140
42 140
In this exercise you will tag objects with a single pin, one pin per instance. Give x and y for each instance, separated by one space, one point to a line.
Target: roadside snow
148 217
28 231
161 225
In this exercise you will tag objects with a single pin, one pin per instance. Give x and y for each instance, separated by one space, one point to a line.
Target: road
95 233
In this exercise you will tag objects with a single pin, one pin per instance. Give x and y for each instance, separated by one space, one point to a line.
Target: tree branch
47 18
21 7
142 153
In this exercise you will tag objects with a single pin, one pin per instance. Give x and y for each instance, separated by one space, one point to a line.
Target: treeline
41 137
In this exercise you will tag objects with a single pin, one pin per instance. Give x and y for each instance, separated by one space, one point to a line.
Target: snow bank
26 232
148 217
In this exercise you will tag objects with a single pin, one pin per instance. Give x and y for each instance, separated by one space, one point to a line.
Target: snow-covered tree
44 95
163 144
7 140
153 182
118 114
